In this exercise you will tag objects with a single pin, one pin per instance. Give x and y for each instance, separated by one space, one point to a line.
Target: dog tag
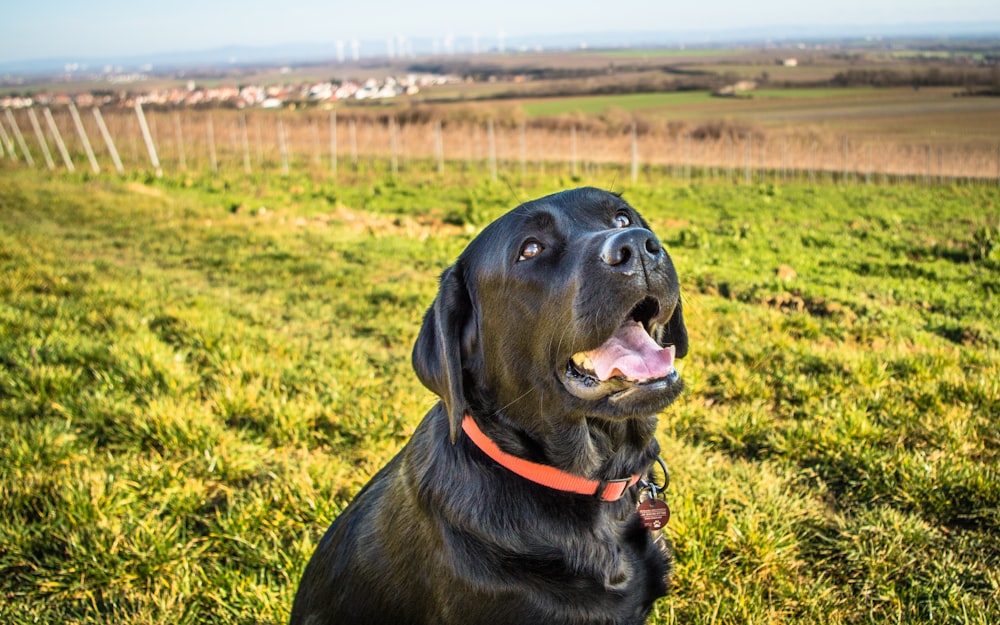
654 513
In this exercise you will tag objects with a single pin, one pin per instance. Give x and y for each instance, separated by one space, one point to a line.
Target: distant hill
422 46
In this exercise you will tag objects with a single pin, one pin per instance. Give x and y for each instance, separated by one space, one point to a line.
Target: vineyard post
258 137
572 150
635 154
394 156
540 151
474 145
438 147
19 137
762 160
210 132
730 157
41 139
784 154
687 157
6 147
749 154
333 143
282 146
108 141
178 132
812 162
317 156
148 138
868 166
234 136
245 137
492 144
84 138
352 131
522 146
843 159
57 137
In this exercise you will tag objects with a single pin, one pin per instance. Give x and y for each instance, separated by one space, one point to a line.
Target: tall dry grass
267 140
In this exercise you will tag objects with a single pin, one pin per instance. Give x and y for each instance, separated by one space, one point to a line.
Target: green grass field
197 374
930 115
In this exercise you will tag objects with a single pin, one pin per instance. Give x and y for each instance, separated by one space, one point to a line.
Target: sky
41 29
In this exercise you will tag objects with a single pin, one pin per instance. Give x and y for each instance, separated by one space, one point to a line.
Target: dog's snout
624 249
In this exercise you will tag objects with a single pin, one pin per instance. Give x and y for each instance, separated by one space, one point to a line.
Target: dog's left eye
622 220
530 250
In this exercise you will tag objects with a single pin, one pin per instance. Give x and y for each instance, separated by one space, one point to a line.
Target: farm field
902 114
866 134
198 372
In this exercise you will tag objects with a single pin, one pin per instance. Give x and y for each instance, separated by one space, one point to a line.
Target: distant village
239 97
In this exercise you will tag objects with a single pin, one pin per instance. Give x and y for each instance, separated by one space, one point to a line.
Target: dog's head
567 307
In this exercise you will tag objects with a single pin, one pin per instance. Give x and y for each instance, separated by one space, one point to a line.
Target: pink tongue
633 354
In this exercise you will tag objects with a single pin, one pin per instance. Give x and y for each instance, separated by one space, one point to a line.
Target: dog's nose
623 250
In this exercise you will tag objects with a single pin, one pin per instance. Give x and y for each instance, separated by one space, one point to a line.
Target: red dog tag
655 514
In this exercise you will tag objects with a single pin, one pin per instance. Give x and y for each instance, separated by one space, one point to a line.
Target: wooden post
784 154
572 150
635 154
394 158
746 172
317 156
492 144
730 157
522 147
6 146
179 133
108 141
45 146
812 162
333 143
258 136
19 137
927 171
843 159
148 138
212 157
283 146
57 136
762 161
687 157
352 132
84 138
868 166
245 138
540 150
439 146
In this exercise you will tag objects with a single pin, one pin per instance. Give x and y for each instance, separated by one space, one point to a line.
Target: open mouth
631 356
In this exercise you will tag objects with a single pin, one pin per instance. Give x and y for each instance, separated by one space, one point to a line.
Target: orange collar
556 479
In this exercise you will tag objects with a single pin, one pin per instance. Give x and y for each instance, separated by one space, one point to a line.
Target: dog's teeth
582 360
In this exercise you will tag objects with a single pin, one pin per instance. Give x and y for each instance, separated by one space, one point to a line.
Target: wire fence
327 143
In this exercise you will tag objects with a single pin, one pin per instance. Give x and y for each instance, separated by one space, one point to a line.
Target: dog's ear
437 353
677 332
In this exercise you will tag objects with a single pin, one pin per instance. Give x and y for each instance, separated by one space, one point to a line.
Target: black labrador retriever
551 344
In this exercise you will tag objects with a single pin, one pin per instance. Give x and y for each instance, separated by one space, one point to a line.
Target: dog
551 344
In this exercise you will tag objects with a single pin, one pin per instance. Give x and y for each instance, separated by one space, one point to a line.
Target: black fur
442 534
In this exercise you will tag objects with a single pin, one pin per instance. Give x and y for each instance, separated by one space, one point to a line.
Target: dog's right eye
529 250
622 220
